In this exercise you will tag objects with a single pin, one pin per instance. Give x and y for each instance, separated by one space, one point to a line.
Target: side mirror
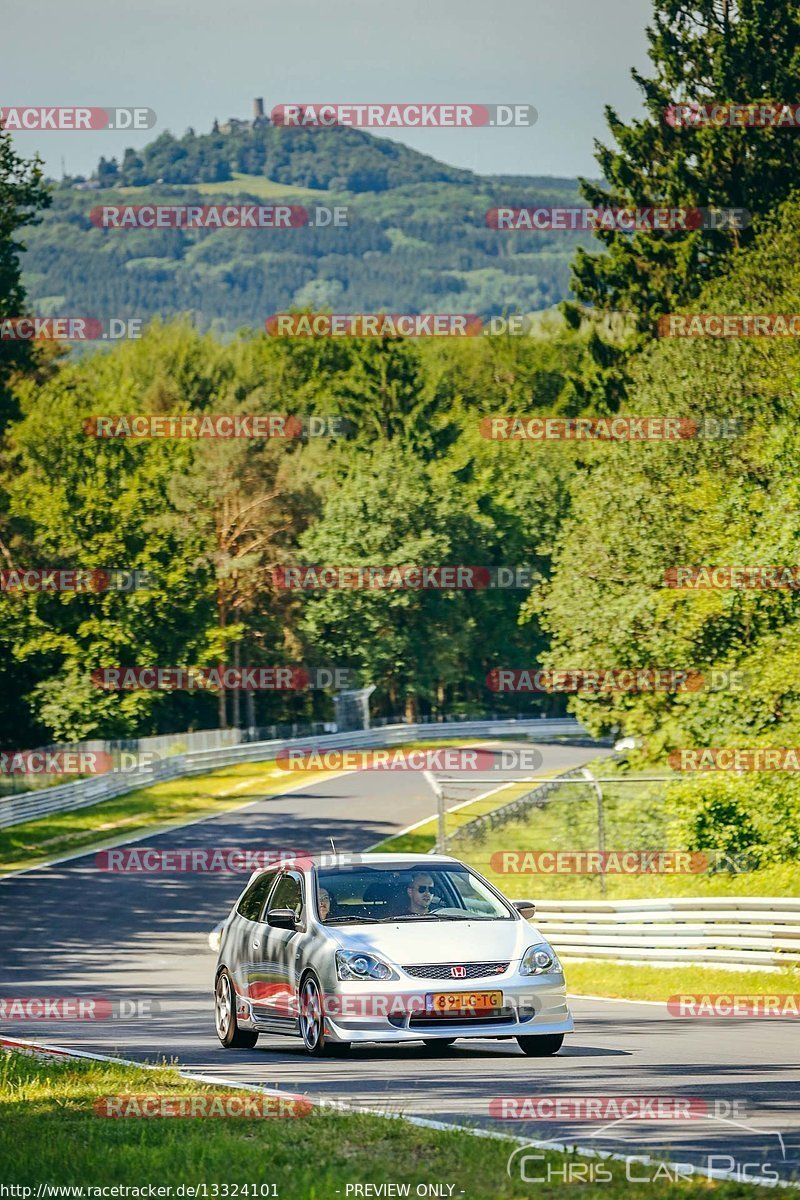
281 918
525 908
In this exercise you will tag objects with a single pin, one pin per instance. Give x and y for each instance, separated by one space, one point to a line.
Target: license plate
463 1003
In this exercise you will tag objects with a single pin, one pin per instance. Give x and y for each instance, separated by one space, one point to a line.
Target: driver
420 894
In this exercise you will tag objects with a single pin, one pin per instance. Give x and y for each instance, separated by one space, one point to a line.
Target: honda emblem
458 972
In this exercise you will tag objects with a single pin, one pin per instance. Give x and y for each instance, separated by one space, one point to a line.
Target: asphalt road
74 930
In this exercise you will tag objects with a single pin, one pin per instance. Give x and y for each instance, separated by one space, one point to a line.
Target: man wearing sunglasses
420 894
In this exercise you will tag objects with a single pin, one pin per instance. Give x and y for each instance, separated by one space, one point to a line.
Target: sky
192 60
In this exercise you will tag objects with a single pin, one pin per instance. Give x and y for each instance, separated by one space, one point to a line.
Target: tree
78 501
388 510
641 509
724 51
22 194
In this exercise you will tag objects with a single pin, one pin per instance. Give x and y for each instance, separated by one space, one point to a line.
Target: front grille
498 1016
476 970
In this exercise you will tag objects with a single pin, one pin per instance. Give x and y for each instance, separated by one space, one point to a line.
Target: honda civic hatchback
346 949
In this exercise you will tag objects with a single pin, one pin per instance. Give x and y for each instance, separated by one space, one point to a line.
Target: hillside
416 238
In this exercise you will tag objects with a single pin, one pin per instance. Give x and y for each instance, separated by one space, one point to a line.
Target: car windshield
396 892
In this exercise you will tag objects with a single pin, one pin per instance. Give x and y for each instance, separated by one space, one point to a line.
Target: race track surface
72 929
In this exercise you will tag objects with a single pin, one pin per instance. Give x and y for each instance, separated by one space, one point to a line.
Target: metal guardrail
164 745
477 829
732 931
28 806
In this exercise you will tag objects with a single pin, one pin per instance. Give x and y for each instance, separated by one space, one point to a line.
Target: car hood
409 942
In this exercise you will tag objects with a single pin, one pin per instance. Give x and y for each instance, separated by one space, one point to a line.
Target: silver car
385 948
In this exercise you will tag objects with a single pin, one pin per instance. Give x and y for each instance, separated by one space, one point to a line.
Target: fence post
601 825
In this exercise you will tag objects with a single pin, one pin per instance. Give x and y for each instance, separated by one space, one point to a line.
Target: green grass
423 839
50 1134
636 818
265 189
633 982
161 806
633 820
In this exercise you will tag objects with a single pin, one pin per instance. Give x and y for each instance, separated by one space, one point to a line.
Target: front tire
228 1031
312 1022
541 1047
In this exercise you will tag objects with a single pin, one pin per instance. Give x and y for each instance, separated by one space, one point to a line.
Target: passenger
324 904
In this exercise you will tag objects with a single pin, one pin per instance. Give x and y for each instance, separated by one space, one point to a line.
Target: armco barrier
730 931
27 806
476 830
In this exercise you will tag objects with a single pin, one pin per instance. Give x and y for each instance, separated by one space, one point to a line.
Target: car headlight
352 964
539 960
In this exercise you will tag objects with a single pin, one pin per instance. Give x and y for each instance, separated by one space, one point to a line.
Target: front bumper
396 1011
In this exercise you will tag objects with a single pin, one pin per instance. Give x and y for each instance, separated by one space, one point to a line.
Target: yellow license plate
468 1003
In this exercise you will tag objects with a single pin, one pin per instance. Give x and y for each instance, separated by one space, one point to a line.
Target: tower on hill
259 120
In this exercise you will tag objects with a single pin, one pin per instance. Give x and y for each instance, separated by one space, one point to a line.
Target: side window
288 894
469 895
252 901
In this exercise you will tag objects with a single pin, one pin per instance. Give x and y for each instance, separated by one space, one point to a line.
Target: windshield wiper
360 920
428 917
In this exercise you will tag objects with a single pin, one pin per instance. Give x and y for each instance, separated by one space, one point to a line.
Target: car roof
347 860
329 861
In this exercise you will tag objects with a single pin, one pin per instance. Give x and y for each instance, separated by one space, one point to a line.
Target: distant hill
416 240
337 159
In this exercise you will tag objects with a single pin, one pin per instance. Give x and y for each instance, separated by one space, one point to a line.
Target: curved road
71 929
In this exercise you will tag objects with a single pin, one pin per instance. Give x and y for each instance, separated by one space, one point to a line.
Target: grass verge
636 818
631 981
161 806
50 1134
422 839
565 826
